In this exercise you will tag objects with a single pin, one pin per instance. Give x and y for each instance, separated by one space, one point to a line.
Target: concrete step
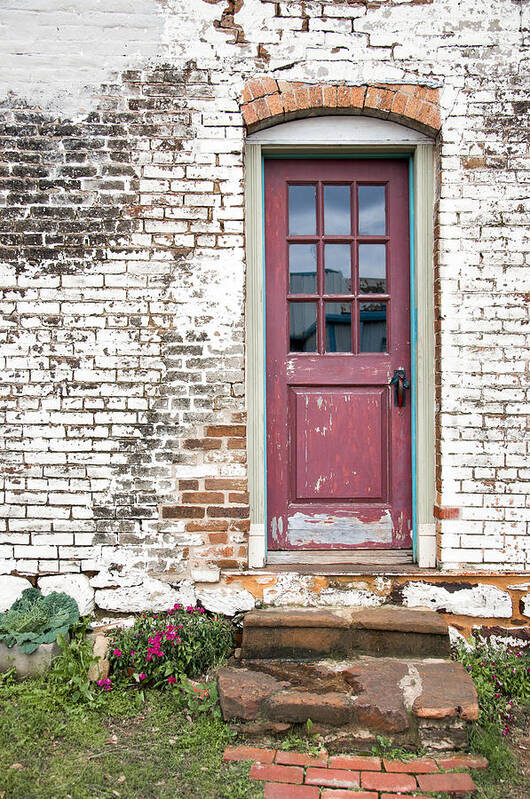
309 633
428 703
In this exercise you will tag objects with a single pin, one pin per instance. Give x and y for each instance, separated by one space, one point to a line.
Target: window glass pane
338 326
302 268
337 268
372 316
337 215
372 211
302 210
372 268
303 326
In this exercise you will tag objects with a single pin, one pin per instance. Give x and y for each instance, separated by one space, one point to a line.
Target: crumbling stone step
311 633
428 703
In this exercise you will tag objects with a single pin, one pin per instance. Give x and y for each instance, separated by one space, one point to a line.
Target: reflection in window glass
302 211
372 212
302 268
372 316
337 214
337 268
338 326
372 268
303 326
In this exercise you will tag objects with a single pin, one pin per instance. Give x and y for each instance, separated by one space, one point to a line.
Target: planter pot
27 665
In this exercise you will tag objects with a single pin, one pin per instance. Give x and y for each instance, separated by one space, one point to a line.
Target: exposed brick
207 526
378 781
225 484
275 790
188 485
202 497
228 513
340 794
424 766
254 753
202 443
356 763
226 430
300 759
182 512
332 778
462 761
456 783
274 773
445 512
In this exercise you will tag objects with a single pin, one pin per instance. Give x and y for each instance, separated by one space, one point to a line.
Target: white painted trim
339 130
255 346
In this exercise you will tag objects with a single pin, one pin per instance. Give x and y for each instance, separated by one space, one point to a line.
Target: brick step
414 702
309 633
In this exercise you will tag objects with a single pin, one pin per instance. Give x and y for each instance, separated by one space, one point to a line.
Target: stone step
415 703
308 633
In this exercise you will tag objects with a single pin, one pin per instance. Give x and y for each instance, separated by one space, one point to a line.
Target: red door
337 330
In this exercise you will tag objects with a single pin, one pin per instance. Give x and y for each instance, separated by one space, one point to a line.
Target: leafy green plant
68 676
35 619
200 697
161 647
385 748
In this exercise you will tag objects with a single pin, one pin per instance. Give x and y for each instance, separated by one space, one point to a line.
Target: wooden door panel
323 468
337 328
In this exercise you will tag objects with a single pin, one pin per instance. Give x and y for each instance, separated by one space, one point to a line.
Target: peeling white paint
75 585
226 599
325 528
151 595
411 686
11 589
457 639
295 589
481 600
525 602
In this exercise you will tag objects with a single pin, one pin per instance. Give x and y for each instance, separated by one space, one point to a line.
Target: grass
124 748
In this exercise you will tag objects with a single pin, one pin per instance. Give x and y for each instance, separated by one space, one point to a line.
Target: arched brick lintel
266 102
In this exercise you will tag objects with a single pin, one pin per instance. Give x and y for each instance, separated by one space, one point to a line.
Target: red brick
229 513
459 782
356 763
400 796
377 781
202 443
218 538
207 526
249 114
256 87
269 85
275 790
462 761
202 497
261 107
241 498
289 101
237 443
302 98
344 96
357 95
315 96
300 759
330 96
424 766
226 484
332 778
443 512
188 485
249 753
181 512
226 430
275 105
348 795
274 773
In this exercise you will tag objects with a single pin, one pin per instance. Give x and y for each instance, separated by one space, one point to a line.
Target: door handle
401 384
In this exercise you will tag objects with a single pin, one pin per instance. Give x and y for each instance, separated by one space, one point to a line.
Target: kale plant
35 619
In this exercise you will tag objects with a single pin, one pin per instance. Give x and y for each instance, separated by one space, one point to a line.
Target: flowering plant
502 677
161 647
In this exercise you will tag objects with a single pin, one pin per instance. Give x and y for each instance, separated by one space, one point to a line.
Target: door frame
419 150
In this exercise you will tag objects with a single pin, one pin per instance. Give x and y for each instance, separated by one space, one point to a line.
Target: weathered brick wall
123 269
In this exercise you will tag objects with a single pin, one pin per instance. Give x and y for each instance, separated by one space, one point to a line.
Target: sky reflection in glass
372 216
302 211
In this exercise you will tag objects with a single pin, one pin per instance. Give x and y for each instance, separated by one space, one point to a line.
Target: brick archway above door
266 101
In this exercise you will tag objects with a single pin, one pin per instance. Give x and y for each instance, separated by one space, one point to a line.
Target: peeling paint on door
319 529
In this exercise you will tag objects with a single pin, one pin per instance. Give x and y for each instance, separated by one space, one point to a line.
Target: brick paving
295 775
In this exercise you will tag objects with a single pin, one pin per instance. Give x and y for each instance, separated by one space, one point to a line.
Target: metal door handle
401 384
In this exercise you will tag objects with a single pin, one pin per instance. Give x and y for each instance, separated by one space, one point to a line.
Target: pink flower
171 680
142 676
117 652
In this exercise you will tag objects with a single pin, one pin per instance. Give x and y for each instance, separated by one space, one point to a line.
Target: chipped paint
333 530
479 600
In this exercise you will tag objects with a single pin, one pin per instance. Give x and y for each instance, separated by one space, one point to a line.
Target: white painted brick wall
121 344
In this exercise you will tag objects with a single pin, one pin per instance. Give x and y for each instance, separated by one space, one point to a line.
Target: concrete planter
27 665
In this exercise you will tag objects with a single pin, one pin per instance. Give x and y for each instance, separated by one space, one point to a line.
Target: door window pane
337 214
302 268
372 268
337 268
302 211
338 326
303 326
372 317
372 211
